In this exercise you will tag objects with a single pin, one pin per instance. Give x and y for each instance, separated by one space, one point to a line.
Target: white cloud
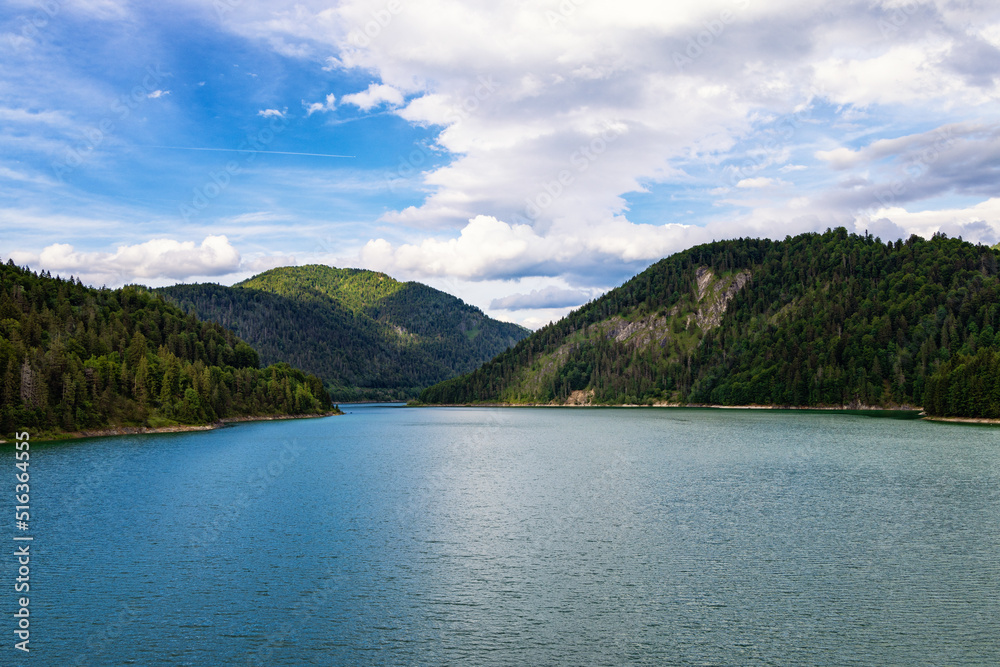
329 104
101 9
758 182
55 119
156 258
547 297
24 177
488 248
523 92
332 64
905 73
484 243
977 223
554 115
915 146
157 94
376 95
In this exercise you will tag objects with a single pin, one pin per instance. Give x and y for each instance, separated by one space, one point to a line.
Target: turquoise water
517 537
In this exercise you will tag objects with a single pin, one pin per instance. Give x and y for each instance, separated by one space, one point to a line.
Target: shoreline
190 428
700 406
916 412
986 421
176 428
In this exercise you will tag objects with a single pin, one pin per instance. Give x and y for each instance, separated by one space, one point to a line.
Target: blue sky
523 156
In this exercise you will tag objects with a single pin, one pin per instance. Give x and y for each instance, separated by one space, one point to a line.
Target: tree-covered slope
368 336
355 289
75 358
828 319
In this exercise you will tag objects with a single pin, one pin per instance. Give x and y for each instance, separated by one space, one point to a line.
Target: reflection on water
521 536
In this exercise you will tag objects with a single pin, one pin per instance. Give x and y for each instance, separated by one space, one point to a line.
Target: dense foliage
75 358
966 386
354 289
368 336
829 319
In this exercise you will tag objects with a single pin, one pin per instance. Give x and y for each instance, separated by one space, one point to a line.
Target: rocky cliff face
676 332
714 296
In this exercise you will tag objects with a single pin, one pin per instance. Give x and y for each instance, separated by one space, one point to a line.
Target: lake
517 537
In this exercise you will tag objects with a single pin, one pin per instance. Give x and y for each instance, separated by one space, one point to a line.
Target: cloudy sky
524 155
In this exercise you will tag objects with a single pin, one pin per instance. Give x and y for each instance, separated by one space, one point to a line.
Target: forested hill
830 319
74 358
368 336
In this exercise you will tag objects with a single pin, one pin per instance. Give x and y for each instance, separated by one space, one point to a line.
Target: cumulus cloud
485 247
329 104
558 115
548 297
157 94
527 142
271 113
979 223
975 59
157 258
377 94
959 158
488 248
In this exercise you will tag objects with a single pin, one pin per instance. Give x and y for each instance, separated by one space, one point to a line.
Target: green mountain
368 336
75 358
830 319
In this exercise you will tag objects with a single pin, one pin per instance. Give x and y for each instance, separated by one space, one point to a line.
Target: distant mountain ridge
73 358
823 320
367 335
